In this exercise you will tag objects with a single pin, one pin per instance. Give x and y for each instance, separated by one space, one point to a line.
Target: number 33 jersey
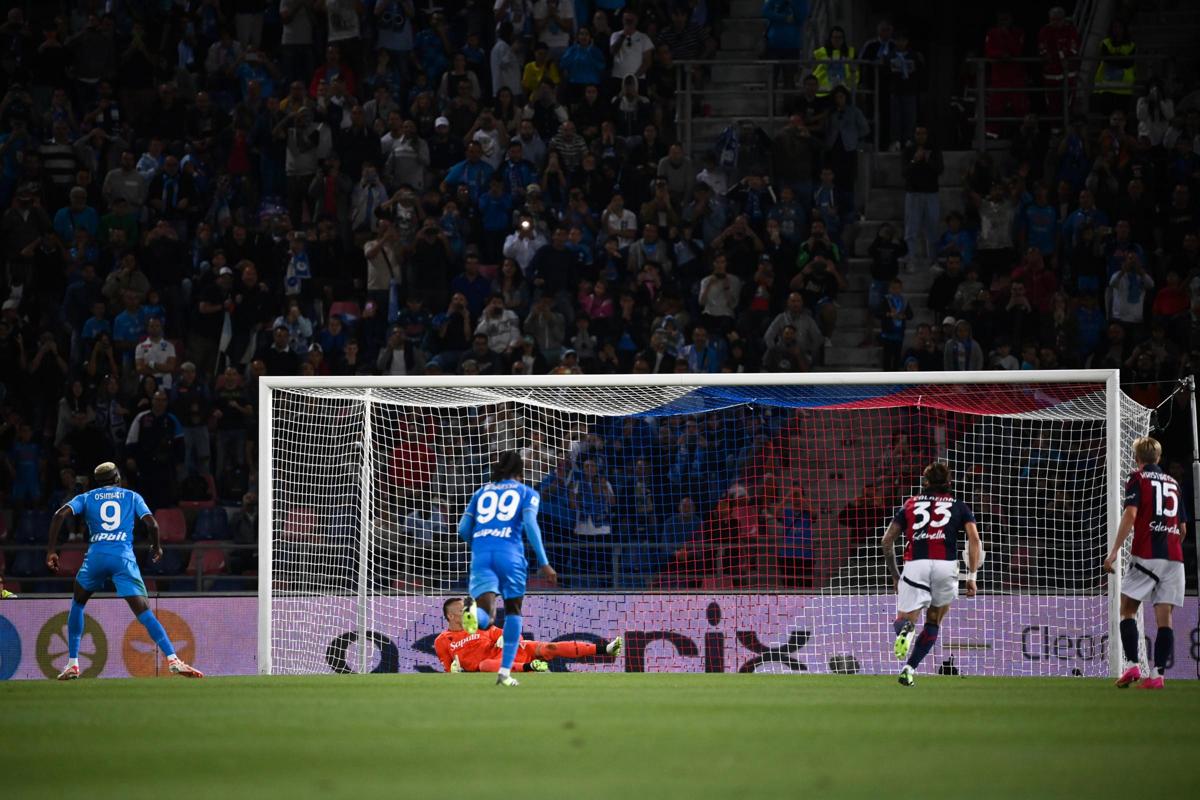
110 512
1156 496
497 513
932 525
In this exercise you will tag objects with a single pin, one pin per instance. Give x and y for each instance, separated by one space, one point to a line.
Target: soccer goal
720 523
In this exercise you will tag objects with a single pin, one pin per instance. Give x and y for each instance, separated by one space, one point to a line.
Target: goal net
727 526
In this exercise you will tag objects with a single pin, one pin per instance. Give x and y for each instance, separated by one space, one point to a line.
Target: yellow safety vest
830 72
1112 78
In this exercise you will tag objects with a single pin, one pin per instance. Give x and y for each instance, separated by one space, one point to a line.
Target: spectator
703 354
156 448
886 253
847 130
796 155
962 352
1127 293
1059 48
1004 44
922 167
719 293
155 356
1115 74
191 404
994 249
632 51
234 413
785 32
1155 110
833 68
583 64
894 314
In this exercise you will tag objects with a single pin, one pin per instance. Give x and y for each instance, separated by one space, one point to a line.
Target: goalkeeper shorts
927 582
1155 579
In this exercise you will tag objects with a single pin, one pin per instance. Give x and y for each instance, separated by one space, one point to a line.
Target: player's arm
155 536
1123 531
888 543
56 523
467 523
534 534
974 556
441 646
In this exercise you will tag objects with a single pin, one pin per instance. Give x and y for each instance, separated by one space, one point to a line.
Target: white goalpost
720 523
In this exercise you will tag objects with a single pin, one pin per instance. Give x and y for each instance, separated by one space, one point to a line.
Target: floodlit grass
598 735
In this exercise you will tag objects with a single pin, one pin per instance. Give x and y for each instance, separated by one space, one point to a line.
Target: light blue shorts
121 567
500 571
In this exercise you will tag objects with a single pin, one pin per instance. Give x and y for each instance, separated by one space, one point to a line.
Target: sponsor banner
219 632
1051 636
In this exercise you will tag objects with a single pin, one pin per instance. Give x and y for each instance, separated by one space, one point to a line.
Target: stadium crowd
199 194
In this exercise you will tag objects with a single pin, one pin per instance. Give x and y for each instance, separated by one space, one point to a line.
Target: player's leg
928 635
1130 607
549 650
478 614
512 639
130 586
75 620
483 587
1167 594
912 597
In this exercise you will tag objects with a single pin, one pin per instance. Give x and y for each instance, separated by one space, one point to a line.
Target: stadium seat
70 559
211 524
348 310
33 527
171 563
209 502
172 524
207 561
300 524
29 564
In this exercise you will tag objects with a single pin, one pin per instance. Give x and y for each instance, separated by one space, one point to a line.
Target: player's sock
925 640
74 632
898 624
155 629
551 650
1164 649
485 621
1129 640
512 640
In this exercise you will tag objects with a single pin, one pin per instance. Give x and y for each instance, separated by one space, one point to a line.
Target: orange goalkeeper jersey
471 648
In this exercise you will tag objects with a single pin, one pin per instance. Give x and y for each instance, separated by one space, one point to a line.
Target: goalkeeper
460 651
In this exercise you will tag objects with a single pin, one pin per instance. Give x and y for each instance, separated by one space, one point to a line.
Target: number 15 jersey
932 524
1156 496
110 513
497 514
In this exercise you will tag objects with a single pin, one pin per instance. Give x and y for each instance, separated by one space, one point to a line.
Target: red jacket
1056 44
1005 43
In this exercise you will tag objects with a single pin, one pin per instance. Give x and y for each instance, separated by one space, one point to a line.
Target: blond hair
1147 450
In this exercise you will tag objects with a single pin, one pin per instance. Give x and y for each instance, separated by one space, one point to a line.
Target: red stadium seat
300 524
207 561
348 310
172 524
70 559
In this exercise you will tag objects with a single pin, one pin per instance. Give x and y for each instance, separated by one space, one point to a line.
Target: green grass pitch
591 735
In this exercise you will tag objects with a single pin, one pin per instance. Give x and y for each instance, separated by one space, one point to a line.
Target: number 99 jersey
1156 531
497 514
932 524
110 512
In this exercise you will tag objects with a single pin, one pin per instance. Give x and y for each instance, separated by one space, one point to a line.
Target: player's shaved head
936 477
106 474
446 606
1147 450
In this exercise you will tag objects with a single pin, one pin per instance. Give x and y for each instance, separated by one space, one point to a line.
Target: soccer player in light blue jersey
110 512
502 514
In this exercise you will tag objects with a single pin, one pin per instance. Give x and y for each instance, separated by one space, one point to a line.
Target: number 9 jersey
110 513
497 513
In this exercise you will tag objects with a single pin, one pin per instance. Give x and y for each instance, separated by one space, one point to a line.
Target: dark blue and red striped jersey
1157 529
932 523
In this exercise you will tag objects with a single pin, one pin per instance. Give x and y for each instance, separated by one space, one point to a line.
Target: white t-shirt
554 36
628 60
299 30
625 221
489 141
343 20
156 355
